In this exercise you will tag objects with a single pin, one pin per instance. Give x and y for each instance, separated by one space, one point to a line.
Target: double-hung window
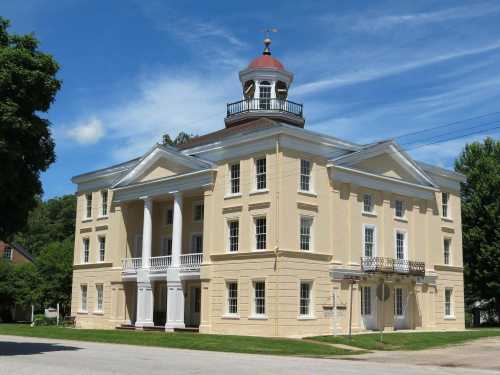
7 253
88 205
366 300
399 209
260 174
197 243
400 245
305 175
232 298
166 246
235 178
305 299
367 203
86 250
445 204
448 303
398 302
259 288
198 212
265 95
260 233
446 250
83 298
234 232
369 241
99 300
305 233
102 248
169 216
104 203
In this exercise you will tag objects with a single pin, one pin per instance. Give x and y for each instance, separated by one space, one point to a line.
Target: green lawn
409 341
237 344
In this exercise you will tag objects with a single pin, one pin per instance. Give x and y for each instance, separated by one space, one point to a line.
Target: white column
177 230
144 316
147 231
175 292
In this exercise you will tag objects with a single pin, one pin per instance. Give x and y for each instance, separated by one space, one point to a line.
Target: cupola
265 83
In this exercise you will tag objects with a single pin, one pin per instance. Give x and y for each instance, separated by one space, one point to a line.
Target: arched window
265 95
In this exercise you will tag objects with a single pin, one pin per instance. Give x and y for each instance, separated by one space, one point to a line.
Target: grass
408 341
220 343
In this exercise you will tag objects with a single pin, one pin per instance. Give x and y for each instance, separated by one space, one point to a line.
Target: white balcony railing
160 263
131 264
187 263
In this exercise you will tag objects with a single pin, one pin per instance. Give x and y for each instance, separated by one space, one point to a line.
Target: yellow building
266 228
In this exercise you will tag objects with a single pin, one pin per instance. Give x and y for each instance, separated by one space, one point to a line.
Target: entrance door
194 306
401 308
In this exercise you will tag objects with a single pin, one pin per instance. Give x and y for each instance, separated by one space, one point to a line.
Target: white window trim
85 217
229 193
311 314
405 243
83 250
253 314
97 310
228 234
198 203
404 217
99 248
402 302
450 252
11 253
373 212
254 232
192 234
101 216
452 305
311 232
311 190
255 190
374 227
448 205
362 287
81 309
228 314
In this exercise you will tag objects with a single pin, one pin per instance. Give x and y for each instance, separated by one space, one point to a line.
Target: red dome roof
266 62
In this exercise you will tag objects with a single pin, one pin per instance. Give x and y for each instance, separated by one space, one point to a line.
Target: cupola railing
264 105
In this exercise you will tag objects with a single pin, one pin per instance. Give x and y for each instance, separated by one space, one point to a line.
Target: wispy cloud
383 22
386 70
86 132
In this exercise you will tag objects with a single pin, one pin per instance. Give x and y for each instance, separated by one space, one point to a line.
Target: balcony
392 266
279 109
188 263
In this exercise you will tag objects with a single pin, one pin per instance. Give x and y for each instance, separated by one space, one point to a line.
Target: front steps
131 327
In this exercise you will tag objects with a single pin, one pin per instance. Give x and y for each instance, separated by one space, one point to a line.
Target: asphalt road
28 356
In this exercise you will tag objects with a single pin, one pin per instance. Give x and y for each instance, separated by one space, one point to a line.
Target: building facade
266 228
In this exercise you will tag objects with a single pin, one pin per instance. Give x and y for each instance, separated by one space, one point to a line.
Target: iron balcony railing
264 105
187 263
391 265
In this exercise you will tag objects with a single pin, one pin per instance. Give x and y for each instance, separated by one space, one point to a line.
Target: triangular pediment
386 159
160 162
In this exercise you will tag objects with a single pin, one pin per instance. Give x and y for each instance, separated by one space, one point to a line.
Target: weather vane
267 39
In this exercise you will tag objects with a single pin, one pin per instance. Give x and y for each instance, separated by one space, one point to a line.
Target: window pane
198 212
305 298
369 241
86 250
445 201
260 297
235 178
88 198
83 306
399 207
102 248
446 244
305 233
366 304
170 216
260 233
232 297
104 203
233 235
260 174
367 203
400 245
305 175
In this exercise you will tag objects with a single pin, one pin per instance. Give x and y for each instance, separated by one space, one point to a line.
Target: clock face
249 89
281 90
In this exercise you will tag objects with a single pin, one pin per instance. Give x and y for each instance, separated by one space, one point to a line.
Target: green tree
28 86
480 163
25 283
54 269
179 140
7 290
50 221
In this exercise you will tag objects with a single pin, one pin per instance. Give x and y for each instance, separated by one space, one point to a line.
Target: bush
41 320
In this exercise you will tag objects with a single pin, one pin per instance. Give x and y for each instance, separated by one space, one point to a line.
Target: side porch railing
187 263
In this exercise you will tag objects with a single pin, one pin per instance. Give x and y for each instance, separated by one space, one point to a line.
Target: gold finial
267 40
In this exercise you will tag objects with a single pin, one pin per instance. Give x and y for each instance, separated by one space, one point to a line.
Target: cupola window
265 95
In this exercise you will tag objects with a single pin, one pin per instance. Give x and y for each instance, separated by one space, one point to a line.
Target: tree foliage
181 138
480 162
50 221
28 86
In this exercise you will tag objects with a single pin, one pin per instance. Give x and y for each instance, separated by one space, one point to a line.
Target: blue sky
365 70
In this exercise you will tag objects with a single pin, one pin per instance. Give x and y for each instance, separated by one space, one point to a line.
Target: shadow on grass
9 348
